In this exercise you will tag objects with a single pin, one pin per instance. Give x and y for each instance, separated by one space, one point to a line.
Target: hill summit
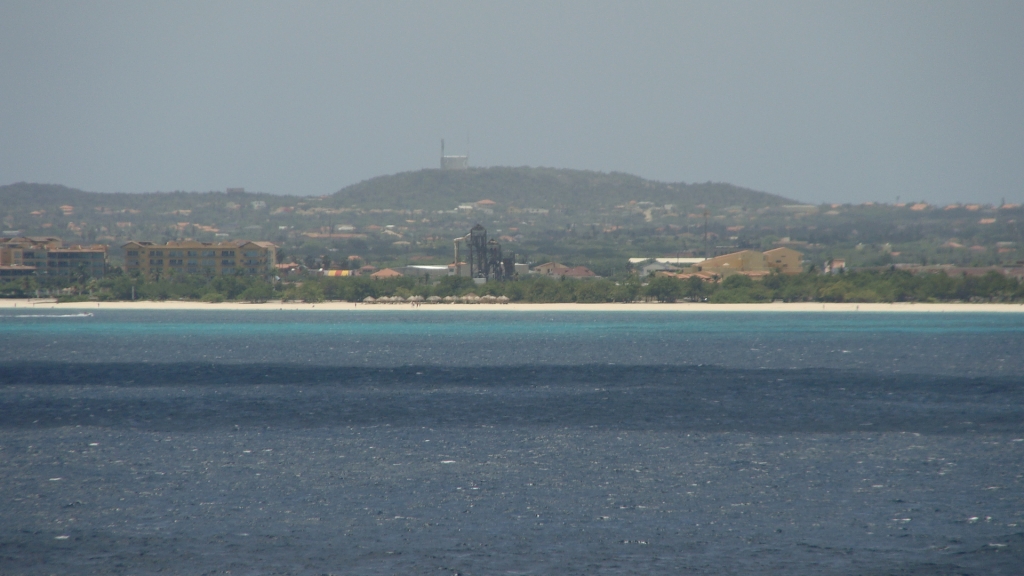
551 188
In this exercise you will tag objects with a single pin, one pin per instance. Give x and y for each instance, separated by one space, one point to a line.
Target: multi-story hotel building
207 258
48 256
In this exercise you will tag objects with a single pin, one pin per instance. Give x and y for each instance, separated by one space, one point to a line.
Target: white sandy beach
46 304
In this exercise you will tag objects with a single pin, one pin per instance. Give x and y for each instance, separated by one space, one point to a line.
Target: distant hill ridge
46 195
525 187
544 188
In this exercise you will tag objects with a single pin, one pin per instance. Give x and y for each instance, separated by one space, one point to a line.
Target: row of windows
189 253
77 255
170 262
62 256
153 262
70 264
170 253
193 268
205 263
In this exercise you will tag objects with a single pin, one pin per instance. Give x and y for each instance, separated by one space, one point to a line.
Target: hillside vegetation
869 286
548 188
575 217
26 196
545 188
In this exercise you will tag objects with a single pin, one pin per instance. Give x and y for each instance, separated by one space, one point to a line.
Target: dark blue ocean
475 443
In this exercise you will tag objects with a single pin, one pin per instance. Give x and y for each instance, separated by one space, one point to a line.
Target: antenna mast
706 249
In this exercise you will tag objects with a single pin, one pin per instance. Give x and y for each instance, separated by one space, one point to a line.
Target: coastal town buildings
754 263
747 262
427 273
386 273
834 266
205 258
559 270
784 260
49 256
655 267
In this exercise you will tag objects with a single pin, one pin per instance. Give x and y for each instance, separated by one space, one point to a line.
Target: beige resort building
206 258
49 256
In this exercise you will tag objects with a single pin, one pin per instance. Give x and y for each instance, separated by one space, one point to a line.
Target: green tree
594 291
695 288
311 292
627 290
454 286
258 292
664 289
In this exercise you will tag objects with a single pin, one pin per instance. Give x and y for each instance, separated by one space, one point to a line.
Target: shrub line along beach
899 307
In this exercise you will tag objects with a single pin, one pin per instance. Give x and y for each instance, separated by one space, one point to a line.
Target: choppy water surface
527 443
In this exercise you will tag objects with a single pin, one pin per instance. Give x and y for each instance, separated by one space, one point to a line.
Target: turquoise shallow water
580 323
143 442
964 344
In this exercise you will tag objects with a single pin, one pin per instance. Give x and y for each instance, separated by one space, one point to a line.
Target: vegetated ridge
573 217
24 195
522 187
551 188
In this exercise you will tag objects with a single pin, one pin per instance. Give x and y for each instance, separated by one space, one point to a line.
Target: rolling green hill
540 188
572 215
523 187
25 196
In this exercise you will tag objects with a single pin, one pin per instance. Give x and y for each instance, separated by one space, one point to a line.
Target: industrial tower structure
486 261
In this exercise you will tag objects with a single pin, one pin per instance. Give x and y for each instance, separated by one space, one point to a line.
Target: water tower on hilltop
453 162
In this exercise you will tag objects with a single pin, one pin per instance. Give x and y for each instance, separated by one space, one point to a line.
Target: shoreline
899 307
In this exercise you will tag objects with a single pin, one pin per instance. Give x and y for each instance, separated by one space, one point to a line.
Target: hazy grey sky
819 101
